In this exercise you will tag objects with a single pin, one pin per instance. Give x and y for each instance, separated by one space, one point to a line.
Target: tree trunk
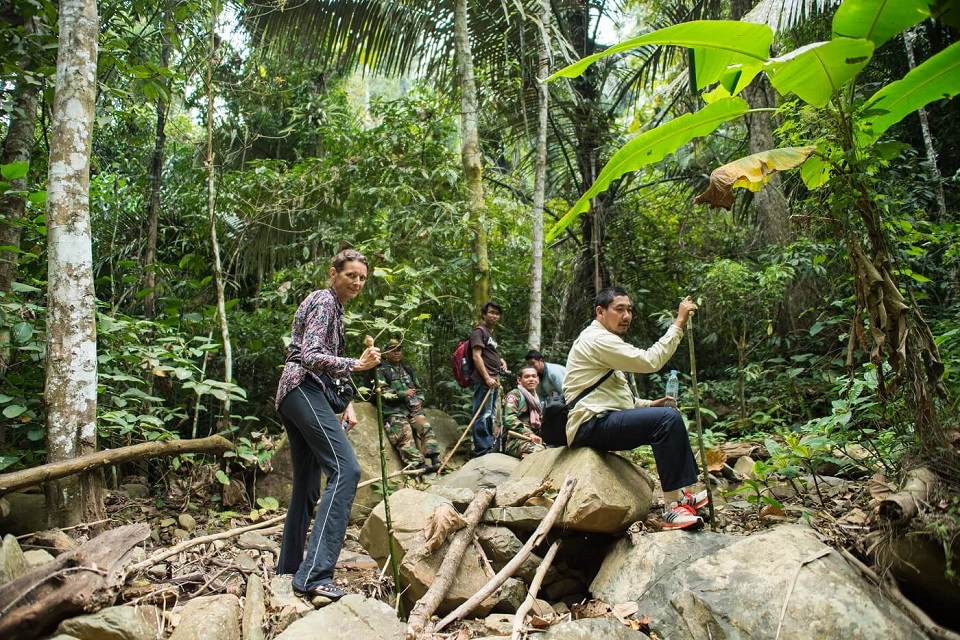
71 373
773 212
470 153
539 182
224 422
156 177
908 37
17 147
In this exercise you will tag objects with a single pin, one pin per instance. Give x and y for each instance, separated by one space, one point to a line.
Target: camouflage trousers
405 430
520 448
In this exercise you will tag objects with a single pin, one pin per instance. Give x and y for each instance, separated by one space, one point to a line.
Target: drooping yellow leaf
751 172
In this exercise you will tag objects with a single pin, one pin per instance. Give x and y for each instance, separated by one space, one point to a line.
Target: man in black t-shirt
487 367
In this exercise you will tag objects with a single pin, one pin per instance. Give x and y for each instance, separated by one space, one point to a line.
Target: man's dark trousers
483 425
660 427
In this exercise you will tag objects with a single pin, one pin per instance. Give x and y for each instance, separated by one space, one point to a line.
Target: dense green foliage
311 159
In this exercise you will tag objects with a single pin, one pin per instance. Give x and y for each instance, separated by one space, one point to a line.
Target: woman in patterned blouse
318 439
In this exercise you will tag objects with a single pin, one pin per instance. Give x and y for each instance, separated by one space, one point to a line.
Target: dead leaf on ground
715 459
591 609
624 610
855 517
443 521
771 511
879 488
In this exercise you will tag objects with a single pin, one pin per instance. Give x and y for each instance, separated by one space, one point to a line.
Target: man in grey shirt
551 375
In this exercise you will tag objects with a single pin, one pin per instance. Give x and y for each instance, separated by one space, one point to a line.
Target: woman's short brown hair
348 255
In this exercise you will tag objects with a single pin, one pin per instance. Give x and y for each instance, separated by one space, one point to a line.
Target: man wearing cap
403 418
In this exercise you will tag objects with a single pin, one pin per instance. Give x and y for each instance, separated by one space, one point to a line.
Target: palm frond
782 15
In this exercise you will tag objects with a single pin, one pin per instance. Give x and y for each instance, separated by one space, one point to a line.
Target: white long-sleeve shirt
596 351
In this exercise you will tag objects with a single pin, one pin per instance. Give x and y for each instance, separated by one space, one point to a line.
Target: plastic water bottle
673 388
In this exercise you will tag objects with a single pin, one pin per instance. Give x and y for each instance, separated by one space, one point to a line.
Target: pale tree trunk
470 152
71 375
156 179
211 210
539 182
908 37
17 147
773 211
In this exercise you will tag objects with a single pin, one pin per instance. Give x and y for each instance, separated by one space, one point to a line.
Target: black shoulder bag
553 418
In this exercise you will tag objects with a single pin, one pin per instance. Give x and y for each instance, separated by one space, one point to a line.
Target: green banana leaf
815 72
878 20
653 146
716 45
936 78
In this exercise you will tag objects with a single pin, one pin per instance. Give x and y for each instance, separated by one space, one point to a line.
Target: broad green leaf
878 20
19 287
13 410
716 45
21 332
14 170
937 78
222 477
750 172
815 173
815 72
653 146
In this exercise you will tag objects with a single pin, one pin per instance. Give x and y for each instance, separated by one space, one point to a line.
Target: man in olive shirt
610 419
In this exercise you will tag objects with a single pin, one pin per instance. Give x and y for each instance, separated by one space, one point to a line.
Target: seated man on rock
551 375
521 416
610 418
406 426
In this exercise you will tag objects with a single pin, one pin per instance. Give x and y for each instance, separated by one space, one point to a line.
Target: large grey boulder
592 629
445 429
485 472
116 623
409 510
699 586
353 617
209 618
611 492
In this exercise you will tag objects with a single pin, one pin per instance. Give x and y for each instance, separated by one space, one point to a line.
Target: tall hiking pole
394 567
465 432
696 406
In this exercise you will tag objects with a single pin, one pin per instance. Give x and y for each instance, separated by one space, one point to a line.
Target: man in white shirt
610 419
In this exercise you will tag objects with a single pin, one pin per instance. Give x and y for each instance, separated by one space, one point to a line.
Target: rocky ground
205 569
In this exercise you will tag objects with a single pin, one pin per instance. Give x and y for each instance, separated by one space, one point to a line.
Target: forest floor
838 509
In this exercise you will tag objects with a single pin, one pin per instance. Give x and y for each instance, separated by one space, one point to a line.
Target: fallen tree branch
566 490
426 605
186 544
80 581
61 469
900 507
402 472
531 598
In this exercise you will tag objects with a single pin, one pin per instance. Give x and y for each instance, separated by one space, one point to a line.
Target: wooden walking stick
465 432
394 567
696 406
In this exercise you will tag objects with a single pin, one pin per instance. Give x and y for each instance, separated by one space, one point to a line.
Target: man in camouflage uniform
403 418
521 415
